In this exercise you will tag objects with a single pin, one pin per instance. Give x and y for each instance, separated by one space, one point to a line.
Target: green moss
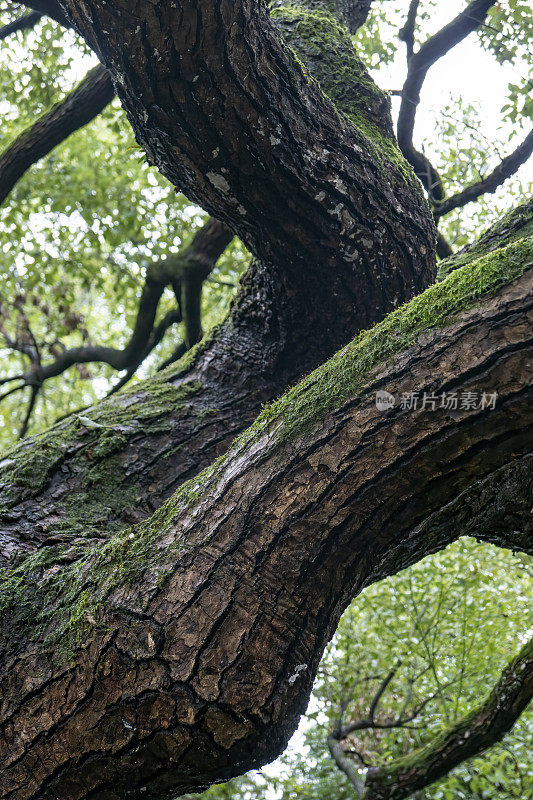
108 443
323 43
516 224
344 375
60 589
102 430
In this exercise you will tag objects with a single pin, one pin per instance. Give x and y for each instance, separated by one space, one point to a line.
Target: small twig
33 397
382 688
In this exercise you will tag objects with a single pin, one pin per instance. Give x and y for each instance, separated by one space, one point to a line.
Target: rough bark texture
231 117
287 319
183 651
152 660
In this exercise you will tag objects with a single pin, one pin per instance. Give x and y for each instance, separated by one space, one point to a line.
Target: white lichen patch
218 181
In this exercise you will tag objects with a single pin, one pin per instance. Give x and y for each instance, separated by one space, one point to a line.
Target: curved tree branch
288 317
490 183
419 63
202 629
470 735
306 146
81 106
24 23
346 765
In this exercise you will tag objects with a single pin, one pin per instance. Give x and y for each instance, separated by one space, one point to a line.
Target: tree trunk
291 315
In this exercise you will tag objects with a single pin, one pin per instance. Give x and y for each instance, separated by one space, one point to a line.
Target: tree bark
182 652
229 115
288 318
153 660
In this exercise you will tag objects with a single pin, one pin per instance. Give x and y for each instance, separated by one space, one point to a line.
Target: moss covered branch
203 626
469 736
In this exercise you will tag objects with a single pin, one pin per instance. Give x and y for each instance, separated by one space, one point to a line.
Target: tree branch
501 173
81 106
407 33
50 8
202 629
475 732
381 690
24 23
346 765
418 65
29 410
185 271
237 106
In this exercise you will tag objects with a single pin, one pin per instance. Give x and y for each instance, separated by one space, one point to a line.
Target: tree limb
407 33
237 106
49 8
186 271
507 167
24 23
346 765
202 629
78 108
418 65
29 410
470 735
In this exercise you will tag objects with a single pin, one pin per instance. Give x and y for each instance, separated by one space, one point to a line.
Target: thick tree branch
273 149
24 23
490 183
81 106
286 319
203 628
475 732
517 223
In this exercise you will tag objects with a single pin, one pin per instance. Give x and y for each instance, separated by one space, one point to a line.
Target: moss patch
516 224
100 432
323 43
343 376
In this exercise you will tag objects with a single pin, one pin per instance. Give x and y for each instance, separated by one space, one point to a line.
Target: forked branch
184 272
